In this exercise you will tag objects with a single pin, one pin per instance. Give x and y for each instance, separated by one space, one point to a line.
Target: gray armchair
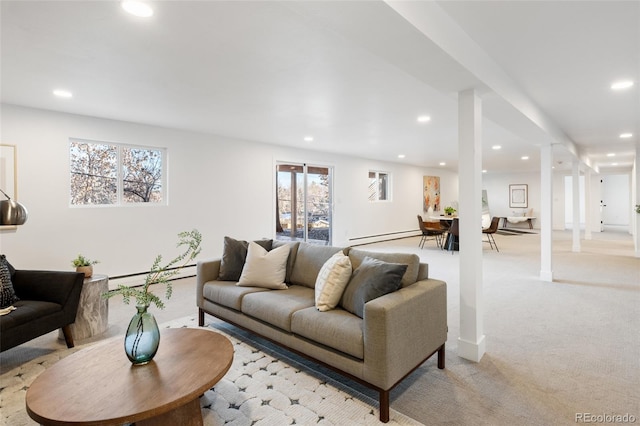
47 300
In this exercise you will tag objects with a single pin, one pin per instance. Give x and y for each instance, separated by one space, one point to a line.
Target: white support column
546 213
471 343
576 206
588 216
635 184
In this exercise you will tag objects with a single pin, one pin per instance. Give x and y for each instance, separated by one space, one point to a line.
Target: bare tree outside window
142 175
94 173
108 174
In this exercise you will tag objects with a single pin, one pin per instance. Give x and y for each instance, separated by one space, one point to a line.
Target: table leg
189 414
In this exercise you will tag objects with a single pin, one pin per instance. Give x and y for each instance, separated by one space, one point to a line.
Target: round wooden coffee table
98 385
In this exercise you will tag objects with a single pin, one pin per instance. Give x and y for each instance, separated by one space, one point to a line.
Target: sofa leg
68 335
441 357
200 317
384 406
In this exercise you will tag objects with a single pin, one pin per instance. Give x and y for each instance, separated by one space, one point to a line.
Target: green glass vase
143 337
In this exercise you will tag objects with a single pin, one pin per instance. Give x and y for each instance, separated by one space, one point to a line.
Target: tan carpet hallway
557 353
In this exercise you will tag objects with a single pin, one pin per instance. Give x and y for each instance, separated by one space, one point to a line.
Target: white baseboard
138 279
379 238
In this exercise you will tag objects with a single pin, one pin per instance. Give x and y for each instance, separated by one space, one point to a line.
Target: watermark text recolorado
605 418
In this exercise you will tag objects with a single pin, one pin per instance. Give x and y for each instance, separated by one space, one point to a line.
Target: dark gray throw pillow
234 254
372 279
7 293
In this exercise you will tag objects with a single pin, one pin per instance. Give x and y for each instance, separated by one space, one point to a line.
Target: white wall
497 187
218 185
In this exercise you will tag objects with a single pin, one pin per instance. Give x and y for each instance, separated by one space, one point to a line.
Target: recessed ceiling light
308 138
626 135
401 155
496 147
484 171
424 119
63 93
137 8
614 164
442 163
623 84
524 157
611 154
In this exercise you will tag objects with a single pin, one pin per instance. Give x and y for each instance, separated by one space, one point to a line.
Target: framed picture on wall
518 195
431 193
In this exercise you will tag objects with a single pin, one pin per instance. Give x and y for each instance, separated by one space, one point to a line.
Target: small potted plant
84 265
449 210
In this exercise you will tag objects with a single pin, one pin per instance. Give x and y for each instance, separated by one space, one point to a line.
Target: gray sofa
397 333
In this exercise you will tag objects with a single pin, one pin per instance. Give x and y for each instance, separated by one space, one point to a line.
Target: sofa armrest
423 272
206 270
402 329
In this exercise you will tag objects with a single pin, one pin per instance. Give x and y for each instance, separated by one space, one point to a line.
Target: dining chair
454 235
492 229
430 229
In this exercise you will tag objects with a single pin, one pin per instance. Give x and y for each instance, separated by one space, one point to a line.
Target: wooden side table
98 385
93 310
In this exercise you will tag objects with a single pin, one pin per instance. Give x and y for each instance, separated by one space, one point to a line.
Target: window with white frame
104 173
379 186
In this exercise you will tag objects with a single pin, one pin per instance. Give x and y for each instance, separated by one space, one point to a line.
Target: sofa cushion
337 329
234 254
265 268
293 251
28 311
7 293
332 279
411 260
309 261
226 293
277 307
372 279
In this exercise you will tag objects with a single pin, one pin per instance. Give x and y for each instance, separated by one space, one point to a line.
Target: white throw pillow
264 268
332 280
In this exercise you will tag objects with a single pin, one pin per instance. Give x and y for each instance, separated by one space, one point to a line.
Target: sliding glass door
303 203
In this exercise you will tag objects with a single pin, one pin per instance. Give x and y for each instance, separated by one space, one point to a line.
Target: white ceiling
354 75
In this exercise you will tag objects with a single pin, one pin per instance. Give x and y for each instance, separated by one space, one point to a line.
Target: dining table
446 221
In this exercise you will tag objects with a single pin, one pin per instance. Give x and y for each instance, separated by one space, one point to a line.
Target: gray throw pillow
372 279
234 255
7 293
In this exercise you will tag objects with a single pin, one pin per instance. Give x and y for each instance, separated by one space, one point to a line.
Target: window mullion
119 186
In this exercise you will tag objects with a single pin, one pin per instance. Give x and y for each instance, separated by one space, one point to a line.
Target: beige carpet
554 350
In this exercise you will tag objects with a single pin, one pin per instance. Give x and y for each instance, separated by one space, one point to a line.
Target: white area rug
259 389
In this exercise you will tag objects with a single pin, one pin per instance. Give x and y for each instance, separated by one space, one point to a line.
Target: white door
615 198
